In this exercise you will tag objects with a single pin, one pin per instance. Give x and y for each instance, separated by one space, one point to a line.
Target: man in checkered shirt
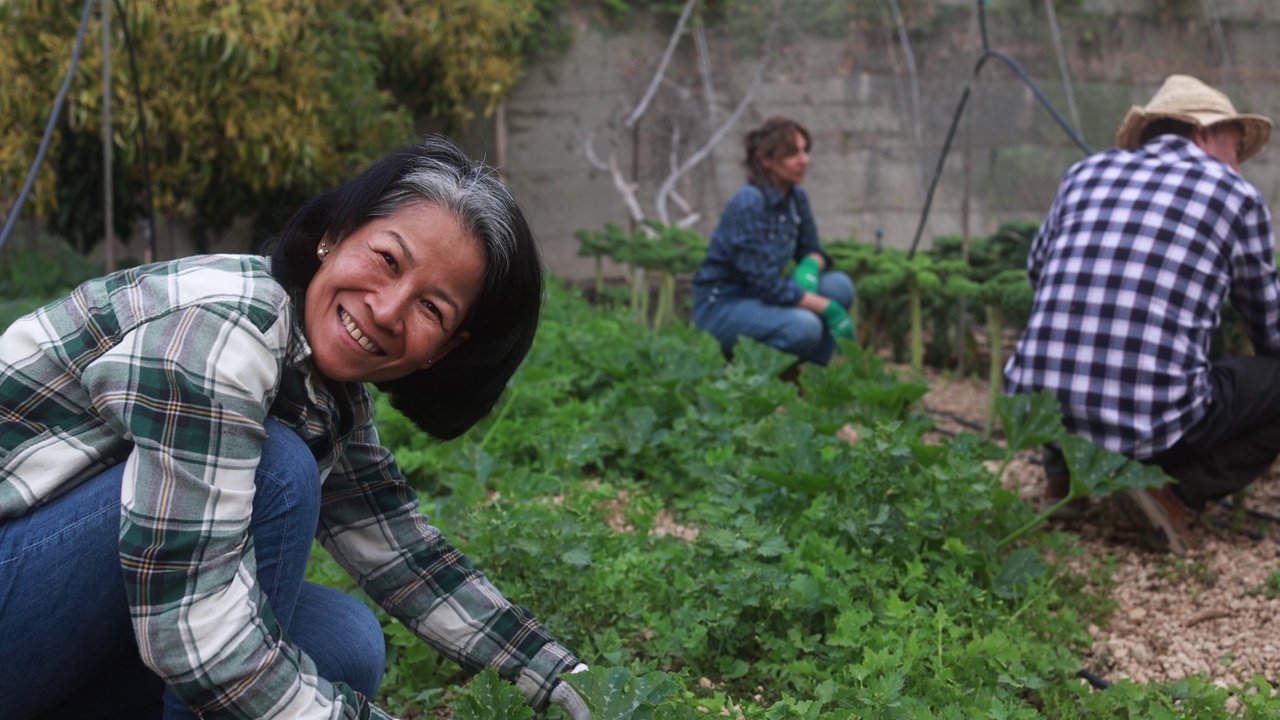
1143 245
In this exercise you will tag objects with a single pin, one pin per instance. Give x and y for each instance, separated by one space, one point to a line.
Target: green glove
806 274
838 321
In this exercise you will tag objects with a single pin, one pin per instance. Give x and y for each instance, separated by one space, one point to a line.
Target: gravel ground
1205 614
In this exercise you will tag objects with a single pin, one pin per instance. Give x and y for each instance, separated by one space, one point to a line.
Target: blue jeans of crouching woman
728 315
65 633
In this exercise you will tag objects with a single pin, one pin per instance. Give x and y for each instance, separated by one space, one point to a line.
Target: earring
429 361
322 251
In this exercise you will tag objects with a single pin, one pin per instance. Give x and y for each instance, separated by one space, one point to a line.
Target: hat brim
1257 128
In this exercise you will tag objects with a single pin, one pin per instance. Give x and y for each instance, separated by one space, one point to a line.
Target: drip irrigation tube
955 122
1251 512
48 130
987 54
1251 534
953 417
1094 680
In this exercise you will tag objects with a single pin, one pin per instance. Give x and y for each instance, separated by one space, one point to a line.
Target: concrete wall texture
846 76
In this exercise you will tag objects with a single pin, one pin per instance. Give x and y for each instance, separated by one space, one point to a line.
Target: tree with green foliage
250 106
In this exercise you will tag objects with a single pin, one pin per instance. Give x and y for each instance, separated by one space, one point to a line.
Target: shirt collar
771 195
1183 146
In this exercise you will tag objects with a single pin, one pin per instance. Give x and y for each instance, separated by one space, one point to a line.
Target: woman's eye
431 308
391 261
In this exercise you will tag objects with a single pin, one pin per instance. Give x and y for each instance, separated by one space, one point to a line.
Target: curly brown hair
776 138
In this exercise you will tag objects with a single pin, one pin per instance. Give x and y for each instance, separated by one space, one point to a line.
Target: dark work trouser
1233 445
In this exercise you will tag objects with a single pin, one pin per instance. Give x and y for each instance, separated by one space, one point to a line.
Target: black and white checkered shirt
1130 271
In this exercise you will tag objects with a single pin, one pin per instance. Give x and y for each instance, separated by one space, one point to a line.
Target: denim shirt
759 232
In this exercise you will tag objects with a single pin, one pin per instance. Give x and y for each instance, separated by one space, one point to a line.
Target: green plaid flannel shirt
172 368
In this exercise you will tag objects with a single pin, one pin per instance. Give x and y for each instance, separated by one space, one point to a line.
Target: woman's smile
357 335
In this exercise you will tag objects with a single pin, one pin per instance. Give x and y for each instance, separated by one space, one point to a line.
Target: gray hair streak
479 201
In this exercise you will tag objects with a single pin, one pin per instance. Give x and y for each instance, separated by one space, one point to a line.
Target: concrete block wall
868 177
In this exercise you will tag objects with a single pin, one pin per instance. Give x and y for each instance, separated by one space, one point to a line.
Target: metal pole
500 139
108 216
1062 66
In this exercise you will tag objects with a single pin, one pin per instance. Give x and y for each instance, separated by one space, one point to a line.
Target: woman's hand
837 321
806 273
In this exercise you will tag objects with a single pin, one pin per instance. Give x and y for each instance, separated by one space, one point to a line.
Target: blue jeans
65 636
728 315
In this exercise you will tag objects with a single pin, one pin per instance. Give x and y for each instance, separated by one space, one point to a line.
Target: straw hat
1185 98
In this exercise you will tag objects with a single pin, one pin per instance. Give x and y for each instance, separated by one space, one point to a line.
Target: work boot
1162 518
792 375
1058 488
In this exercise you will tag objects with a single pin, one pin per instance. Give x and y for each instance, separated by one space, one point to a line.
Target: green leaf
618 694
1091 466
773 547
1019 568
1030 420
579 556
489 697
1100 472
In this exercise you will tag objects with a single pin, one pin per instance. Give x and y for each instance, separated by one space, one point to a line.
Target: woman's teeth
358 336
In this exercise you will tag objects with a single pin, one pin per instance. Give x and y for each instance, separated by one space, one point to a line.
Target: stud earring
322 251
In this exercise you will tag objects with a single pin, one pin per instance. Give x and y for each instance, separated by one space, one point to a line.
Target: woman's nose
386 307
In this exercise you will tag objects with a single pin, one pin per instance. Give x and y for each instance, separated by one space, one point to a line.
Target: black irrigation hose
150 225
1251 534
987 53
954 418
1094 680
1251 512
48 130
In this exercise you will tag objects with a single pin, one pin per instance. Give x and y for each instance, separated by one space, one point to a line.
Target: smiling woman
199 422
391 298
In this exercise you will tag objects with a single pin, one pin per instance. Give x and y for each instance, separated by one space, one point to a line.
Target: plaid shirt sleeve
188 387
1255 288
1043 237
371 524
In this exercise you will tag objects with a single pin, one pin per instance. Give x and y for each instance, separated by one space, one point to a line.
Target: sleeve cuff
539 677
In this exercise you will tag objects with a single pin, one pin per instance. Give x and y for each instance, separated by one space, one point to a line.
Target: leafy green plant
1033 420
1270 588
701 535
664 250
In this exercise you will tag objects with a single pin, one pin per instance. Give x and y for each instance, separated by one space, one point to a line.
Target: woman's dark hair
776 138
446 399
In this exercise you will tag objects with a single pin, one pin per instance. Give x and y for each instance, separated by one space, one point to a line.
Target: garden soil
1205 614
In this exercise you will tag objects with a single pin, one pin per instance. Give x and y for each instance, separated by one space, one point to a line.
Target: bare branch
704 69
658 74
627 190
669 183
914 113
681 202
688 220
589 149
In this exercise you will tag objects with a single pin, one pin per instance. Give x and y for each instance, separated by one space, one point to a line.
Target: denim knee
838 286
286 510
802 336
342 637
288 478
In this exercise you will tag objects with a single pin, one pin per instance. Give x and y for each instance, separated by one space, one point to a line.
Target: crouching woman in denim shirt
740 289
